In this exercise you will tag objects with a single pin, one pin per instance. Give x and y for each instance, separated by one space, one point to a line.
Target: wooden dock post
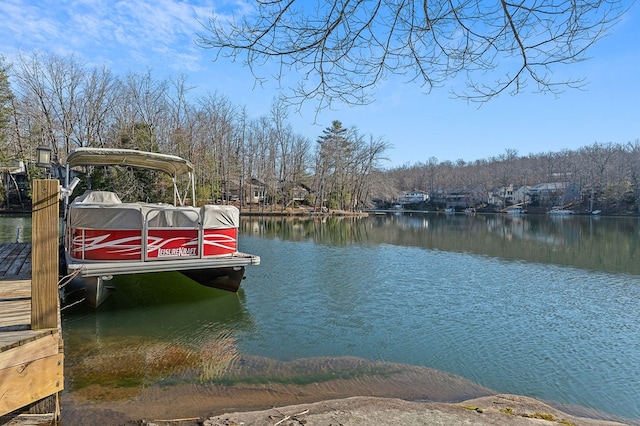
44 255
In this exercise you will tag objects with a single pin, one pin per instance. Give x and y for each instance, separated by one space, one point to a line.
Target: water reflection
337 231
595 243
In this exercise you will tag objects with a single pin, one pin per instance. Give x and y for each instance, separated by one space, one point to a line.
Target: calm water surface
15 228
538 306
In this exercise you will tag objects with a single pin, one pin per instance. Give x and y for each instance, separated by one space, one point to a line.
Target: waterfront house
508 196
554 193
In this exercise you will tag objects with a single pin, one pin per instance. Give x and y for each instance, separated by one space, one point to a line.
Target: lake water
15 228
418 306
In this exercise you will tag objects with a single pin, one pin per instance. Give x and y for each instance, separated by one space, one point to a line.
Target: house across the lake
554 193
508 196
255 191
413 197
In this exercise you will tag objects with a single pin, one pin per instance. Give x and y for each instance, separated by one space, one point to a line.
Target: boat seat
219 217
165 216
98 197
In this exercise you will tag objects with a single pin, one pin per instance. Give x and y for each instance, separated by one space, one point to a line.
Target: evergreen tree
6 96
334 165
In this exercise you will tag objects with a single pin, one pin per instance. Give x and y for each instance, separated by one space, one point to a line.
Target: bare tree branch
341 50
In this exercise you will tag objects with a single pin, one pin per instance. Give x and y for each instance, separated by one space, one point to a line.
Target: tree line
608 174
60 103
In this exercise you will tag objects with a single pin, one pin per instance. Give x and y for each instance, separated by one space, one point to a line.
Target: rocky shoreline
495 410
492 410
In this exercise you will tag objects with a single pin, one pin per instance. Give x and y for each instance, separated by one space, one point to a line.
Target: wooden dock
31 347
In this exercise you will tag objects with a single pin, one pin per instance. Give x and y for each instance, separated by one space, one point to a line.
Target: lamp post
43 158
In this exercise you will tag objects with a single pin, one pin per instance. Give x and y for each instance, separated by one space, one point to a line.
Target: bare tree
633 159
7 148
368 155
341 49
65 77
145 99
218 120
292 153
181 123
37 103
95 111
6 99
597 158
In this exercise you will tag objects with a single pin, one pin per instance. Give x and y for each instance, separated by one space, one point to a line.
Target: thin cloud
26 21
140 33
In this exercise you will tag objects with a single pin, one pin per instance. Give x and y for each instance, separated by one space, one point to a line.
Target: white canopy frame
172 165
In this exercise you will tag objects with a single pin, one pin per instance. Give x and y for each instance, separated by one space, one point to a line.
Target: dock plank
31 382
14 339
25 270
15 314
21 256
5 249
15 289
13 257
15 298
45 345
15 260
15 295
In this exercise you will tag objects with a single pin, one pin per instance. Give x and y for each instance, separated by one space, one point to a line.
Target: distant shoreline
307 212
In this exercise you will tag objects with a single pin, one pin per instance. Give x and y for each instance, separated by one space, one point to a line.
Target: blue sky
134 35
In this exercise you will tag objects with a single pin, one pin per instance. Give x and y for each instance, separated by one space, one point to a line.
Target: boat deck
89 268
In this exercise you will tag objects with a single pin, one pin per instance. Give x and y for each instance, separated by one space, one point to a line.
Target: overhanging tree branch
339 51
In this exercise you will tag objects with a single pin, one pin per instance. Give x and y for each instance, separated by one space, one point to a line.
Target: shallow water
464 295
537 306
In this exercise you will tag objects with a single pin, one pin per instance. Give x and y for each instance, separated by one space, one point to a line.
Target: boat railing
146 232
170 225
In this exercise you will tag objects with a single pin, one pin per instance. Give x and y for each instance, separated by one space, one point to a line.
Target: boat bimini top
173 165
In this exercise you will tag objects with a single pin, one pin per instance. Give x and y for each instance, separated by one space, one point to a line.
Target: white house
413 197
508 195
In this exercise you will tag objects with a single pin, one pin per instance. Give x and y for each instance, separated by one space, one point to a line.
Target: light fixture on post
43 158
